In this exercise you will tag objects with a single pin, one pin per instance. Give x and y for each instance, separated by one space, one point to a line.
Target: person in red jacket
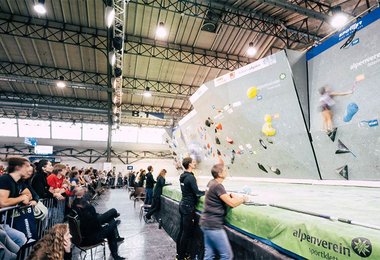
56 181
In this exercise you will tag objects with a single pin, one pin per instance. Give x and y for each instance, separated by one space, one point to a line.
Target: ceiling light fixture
110 16
147 92
39 6
251 51
161 31
61 83
112 58
338 19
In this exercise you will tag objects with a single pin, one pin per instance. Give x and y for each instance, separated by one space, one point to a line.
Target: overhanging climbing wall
348 61
252 120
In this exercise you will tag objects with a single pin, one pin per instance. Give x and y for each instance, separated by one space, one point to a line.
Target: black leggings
154 208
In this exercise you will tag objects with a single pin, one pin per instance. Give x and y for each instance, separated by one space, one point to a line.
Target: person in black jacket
91 225
157 195
149 184
140 178
190 196
39 182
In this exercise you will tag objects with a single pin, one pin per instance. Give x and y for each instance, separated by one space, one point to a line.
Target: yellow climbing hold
252 92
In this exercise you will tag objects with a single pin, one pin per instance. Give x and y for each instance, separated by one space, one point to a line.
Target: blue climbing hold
351 110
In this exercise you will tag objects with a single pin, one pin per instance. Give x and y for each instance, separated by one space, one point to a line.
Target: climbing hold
251 92
262 144
219 126
229 140
267 128
332 134
217 141
261 167
351 110
342 148
343 171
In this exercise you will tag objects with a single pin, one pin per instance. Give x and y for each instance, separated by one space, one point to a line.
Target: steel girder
87 155
39 29
296 6
56 115
232 16
45 75
33 101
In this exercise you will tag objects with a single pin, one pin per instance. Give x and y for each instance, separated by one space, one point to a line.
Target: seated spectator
74 178
55 245
91 223
39 180
56 181
13 191
8 248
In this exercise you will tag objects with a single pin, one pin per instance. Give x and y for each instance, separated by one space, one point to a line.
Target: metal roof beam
45 75
39 29
54 103
246 19
297 8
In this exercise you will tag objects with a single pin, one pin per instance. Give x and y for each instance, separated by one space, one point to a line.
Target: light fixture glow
39 6
112 58
110 16
338 20
161 31
61 84
147 92
251 51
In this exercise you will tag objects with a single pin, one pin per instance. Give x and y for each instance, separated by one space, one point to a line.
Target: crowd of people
28 185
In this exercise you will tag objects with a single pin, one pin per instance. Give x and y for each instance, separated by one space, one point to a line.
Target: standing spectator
212 219
140 178
55 245
157 194
2 171
190 196
149 186
39 180
132 179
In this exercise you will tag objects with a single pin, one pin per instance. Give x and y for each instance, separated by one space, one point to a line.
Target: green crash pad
304 235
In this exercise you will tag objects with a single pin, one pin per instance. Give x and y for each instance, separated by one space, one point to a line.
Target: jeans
148 196
186 232
216 242
8 242
18 237
107 216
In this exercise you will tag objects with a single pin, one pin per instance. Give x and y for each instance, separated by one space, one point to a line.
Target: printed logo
362 246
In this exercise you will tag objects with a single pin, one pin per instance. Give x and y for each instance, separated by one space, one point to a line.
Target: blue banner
344 33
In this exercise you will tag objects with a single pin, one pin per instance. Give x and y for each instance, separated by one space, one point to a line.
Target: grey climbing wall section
252 121
349 61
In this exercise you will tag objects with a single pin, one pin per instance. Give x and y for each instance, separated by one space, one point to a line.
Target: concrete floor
142 241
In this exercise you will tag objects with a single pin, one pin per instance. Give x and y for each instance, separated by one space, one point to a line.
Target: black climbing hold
343 171
262 143
261 167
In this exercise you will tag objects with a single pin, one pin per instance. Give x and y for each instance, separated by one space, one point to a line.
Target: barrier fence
22 218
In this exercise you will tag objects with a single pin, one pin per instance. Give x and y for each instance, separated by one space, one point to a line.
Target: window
150 135
66 130
125 134
8 127
95 132
34 128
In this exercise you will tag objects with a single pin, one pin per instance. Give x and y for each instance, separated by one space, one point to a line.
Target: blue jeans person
149 196
216 242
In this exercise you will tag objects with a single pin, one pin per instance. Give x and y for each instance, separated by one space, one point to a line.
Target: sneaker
120 239
117 257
